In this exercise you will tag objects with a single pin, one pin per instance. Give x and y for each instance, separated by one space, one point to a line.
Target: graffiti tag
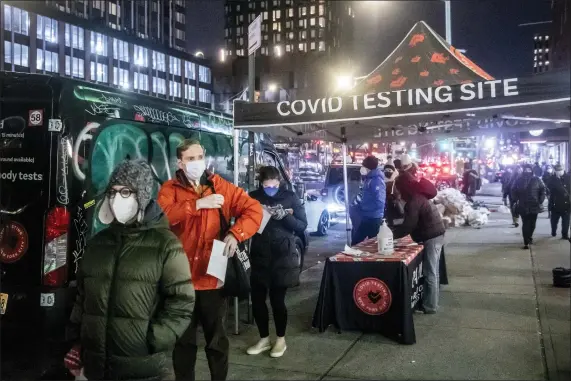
63 196
81 240
156 115
106 105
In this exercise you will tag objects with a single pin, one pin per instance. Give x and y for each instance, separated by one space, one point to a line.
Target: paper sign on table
218 262
265 218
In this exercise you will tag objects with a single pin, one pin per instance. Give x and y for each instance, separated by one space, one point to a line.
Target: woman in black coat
274 258
528 194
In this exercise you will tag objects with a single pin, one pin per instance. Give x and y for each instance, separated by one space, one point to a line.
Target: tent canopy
424 87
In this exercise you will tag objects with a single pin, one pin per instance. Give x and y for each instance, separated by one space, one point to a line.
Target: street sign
55 125
255 35
35 117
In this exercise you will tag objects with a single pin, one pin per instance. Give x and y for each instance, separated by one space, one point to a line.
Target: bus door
25 161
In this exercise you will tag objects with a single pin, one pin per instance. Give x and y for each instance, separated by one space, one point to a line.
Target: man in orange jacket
193 212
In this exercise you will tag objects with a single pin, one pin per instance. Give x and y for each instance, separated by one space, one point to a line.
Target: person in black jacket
517 170
274 258
559 189
424 224
528 193
505 180
470 180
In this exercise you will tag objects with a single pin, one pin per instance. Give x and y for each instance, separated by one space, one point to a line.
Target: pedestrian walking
134 292
371 202
424 224
505 181
470 180
528 193
537 171
275 259
516 172
559 186
192 202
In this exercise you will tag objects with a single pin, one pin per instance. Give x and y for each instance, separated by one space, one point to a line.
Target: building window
312 10
322 22
266 15
99 75
121 77
321 10
74 67
277 37
16 20
312 45
7 51
264 50
141 56
159 61
189 70
74 37
113 9
159 85
277 26
303 23
312 22
277 14
174 66
174 88
302 47
189 92
120 50
204 95
240 52
303 34
19 56
312 33
289 48
204 74
276 3
99 4
263 4
179 17
180 34
321 46
141 82
46 60
98 44
303 11
289 24
290 12
47 29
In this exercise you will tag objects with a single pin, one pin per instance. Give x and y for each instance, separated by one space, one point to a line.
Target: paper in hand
265 218
218 262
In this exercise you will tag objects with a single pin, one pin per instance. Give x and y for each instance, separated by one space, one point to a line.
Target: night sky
487 29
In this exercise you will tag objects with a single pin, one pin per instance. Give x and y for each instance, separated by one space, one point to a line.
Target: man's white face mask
559 173
364 171
195 169
124 209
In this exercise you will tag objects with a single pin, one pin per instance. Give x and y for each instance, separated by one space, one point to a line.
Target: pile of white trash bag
456 211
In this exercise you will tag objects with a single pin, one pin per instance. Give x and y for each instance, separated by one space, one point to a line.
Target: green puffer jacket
135 300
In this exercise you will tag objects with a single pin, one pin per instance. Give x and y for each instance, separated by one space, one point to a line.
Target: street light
344 82
272 87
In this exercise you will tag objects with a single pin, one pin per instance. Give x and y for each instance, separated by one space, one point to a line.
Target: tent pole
236 157
346 186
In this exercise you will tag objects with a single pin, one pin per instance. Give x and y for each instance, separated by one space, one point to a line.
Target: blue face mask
271 191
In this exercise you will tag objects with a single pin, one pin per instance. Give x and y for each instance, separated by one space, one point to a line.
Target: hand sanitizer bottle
385 240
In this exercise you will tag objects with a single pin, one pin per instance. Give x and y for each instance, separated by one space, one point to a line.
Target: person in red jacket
192 208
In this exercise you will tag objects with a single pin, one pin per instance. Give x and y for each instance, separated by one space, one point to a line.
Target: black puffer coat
274 259
559 189
528 193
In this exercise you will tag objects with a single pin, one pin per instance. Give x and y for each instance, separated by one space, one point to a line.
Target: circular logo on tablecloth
372 296
13 242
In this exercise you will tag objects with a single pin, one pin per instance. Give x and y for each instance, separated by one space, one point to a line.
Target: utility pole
448 21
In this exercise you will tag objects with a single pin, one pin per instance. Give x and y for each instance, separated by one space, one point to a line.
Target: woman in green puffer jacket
135 296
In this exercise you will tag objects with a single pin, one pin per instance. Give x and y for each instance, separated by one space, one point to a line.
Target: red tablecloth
405 251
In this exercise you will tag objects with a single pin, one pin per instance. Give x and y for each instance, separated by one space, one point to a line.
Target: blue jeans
431 273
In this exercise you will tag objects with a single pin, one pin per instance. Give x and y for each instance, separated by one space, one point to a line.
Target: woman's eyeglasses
124 192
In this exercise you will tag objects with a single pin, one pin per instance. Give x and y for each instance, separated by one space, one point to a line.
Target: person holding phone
274 258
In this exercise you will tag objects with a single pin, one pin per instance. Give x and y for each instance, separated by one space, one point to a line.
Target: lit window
302 47
179 17
313 33
47 29
159 61
277 37
303 23
113 8
535 58
277 26
189 92
47 61
321 10
289 48
278 50
141 56
312 22
540 63
7 51
263 4
546 37
276 3
238 7
277 14
204 74
16 20
322 22
541 37
535 37
99 75
321 46
290 12
303 35
180 34
289 24
204 95
303 11
266 15
159 85
175 89
120 50
174 66
20 55
290 36
141 82
535 64
547 62
121 77
312 10
546 50
98 44
74 67
74 37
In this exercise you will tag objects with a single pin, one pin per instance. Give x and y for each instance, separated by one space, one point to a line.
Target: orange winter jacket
197 229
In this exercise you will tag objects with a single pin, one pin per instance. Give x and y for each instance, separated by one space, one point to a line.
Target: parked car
329 209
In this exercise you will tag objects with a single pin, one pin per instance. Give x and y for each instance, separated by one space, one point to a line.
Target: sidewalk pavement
499 319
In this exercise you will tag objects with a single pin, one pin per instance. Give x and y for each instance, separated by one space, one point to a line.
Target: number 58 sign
35 118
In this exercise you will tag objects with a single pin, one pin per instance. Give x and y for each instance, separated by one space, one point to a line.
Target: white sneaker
279 348
261 346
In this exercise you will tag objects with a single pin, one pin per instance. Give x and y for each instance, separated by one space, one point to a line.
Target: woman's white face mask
195 169
124 209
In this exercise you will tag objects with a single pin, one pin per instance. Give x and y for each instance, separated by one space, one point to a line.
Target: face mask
195 169
124 209
271 191
364 171
549 170
559 173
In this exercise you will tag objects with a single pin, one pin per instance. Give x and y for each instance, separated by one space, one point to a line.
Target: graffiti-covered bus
59 142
